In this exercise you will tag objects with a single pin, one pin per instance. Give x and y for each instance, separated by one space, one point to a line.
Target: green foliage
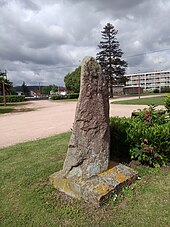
167 104
72 80
12 91
72 95
146 137
25 89
4 109
46 90
13 98
67 96
156 90
118 133
7 83
150 116
149 137
110 57
58 97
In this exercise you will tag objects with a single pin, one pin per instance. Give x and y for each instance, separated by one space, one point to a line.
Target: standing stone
85 172
88 150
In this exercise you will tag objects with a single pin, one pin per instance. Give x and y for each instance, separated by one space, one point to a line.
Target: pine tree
25 89
110 56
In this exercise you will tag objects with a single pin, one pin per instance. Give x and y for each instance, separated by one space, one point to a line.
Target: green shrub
145 137
150 116
119 147
13 98
149 137
1 99
167 104
156 90
73 95
68 96
58 97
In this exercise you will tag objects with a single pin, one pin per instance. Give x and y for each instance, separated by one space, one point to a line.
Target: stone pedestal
98 188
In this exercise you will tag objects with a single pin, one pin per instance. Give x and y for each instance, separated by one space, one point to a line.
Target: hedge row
13 98
145 137
67 96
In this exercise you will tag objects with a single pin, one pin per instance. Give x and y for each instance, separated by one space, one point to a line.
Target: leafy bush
13 98
167 104
149 137
150 116
68 96
73 95
58 97
156 90
118 138
146 137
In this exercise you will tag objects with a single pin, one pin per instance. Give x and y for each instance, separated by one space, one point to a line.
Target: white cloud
41 41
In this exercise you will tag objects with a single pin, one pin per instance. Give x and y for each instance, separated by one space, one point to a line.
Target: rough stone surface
88 150
86 173
96 189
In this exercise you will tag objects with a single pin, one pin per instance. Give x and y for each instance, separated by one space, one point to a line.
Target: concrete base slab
96 189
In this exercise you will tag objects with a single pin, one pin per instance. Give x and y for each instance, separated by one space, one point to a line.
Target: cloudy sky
41 41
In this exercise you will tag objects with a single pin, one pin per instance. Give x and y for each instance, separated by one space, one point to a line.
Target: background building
150 80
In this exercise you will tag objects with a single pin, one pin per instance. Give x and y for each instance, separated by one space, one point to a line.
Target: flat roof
160 72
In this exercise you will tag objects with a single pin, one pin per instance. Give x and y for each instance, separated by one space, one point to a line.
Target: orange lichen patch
60 183
121 177
109 171
103 189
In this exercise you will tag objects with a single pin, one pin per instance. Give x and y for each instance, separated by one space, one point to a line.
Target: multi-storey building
149 80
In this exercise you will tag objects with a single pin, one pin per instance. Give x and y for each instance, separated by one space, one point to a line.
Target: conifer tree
110 57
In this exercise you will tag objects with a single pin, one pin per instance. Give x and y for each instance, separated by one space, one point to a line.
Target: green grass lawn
6 109
27 198
11 107
65 100
143 101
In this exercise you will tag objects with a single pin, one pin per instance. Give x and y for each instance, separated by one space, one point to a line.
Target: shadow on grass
12 109
15 104
6 110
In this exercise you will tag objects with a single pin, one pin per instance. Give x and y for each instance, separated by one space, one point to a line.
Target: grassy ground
143 101
27 199
6 109
65 100
14 107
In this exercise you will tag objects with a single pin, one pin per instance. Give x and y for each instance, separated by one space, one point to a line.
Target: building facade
150 80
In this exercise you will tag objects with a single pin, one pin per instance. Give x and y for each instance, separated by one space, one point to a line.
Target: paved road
47 118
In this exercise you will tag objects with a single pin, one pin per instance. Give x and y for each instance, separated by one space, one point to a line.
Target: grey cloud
109 4
28 4
40 39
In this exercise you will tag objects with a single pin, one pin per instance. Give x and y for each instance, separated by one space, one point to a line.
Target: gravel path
47 118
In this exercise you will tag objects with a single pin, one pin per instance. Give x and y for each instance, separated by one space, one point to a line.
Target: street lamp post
139 86
3 87
4 93
139 83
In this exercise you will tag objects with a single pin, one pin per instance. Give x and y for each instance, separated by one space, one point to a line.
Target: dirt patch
40 119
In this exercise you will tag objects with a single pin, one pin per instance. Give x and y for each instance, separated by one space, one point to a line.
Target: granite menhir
88 150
